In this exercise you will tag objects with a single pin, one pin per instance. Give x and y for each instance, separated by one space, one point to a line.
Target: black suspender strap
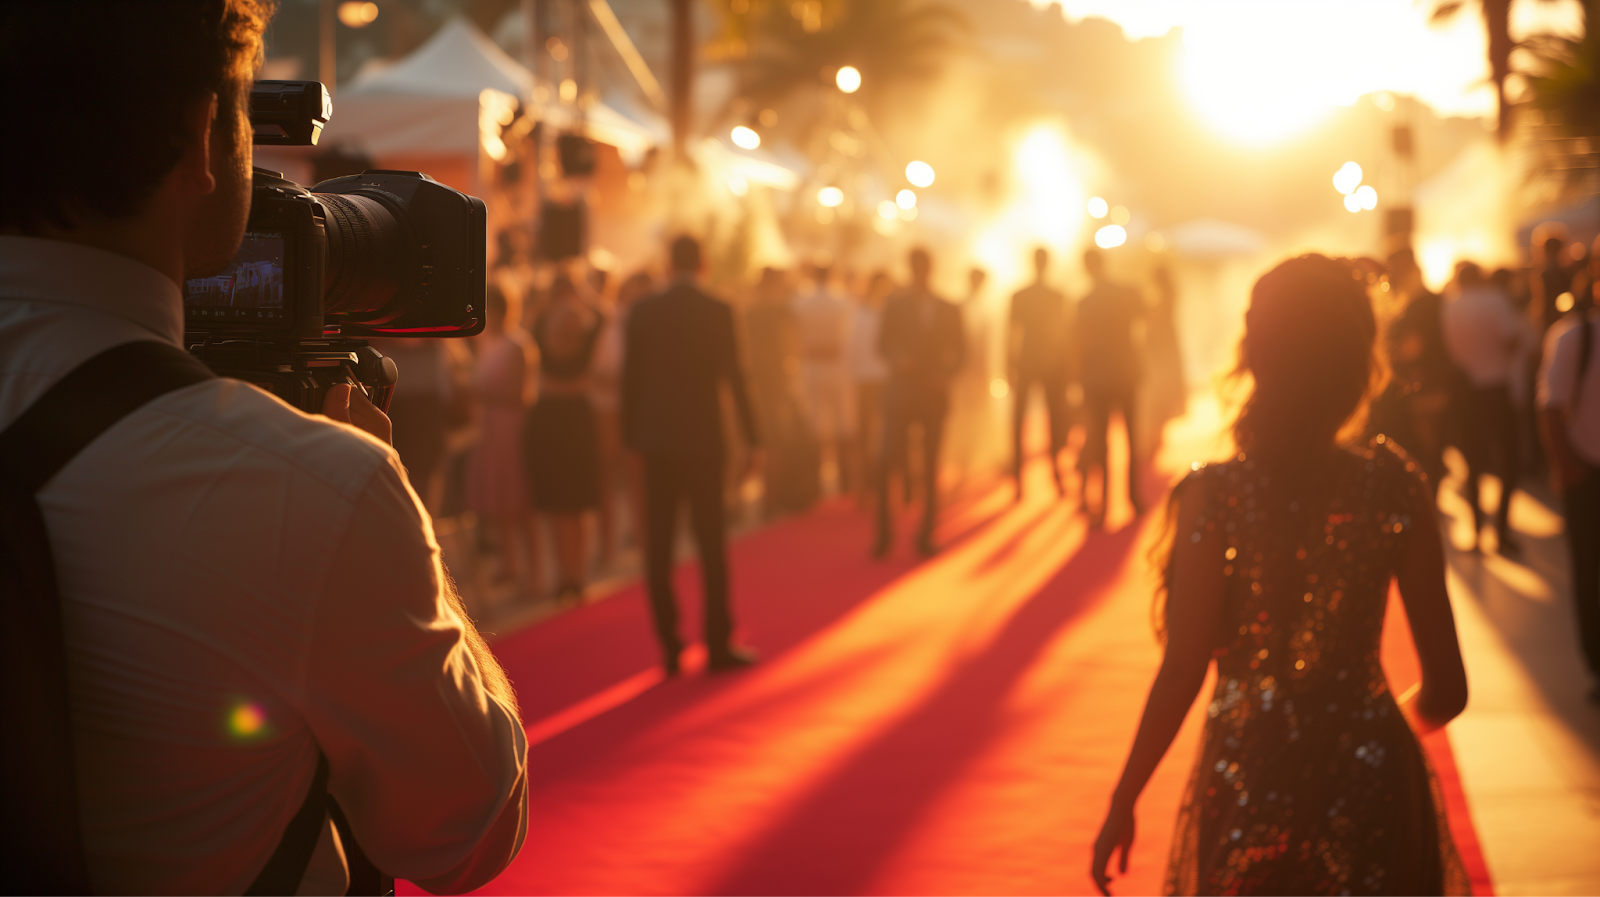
41 846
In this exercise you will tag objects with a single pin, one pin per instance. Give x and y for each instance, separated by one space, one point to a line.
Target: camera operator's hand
348 405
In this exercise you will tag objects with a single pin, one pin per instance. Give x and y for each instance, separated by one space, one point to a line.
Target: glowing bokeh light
1351 203
1347 178
887 210
848 79
1367 197
737 185
1119 215
1110 236
569 91
908 214
744 138
905 199
1154 242
832 197
355 14
246 719
1564 302
920 174
999 388
1098 208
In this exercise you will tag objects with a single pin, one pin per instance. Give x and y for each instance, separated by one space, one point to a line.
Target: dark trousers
669 481
1488 439
901 413
1055 403
1096 448
1582 503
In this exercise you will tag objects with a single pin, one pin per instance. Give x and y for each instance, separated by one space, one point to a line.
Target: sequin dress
1309 780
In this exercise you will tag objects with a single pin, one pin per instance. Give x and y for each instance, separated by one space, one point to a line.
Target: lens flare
1110 236
744 138
848 79
920 174
1098 208
246 719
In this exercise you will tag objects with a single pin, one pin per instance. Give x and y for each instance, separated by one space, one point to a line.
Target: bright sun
1262 71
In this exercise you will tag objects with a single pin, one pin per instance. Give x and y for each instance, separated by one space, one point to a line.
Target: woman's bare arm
1194 608
1443 691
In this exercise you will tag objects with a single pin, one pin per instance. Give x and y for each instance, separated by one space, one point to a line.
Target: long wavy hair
1309 362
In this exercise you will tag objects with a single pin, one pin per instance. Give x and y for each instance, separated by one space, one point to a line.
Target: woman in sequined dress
1310 778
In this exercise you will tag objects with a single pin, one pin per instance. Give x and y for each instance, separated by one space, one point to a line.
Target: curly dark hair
96 94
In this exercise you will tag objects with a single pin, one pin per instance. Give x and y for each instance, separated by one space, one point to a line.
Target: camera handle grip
377 375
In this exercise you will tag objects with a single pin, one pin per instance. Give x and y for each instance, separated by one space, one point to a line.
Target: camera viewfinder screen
250 290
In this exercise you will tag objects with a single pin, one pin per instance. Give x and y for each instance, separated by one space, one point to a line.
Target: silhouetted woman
562 443
1310 778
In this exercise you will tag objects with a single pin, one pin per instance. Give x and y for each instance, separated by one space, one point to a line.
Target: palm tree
894 43
1497 27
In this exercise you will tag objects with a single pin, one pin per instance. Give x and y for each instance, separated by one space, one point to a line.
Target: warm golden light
887 210
1347 178
905 199
355 14
1352 203
1154 242
1110 236
1119 215
1098 208
920 174
832 197
569 90
999 388
848 79
1367 197
1564 302
744 138
737 185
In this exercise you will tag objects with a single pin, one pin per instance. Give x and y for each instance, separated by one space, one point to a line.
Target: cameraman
243 586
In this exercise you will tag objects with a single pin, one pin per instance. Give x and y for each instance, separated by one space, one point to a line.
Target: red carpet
949 727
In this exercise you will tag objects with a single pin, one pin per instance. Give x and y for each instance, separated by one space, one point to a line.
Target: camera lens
365 240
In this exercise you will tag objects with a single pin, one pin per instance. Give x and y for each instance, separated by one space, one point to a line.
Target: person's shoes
880 547
672 662
925 546
731 658
570 595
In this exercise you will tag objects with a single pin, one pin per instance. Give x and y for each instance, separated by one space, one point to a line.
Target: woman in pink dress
496 487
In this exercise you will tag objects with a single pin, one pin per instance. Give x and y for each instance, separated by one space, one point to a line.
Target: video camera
379 254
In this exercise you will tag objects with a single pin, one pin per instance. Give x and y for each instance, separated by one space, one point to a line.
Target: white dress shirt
1558 378
1484 334
242 583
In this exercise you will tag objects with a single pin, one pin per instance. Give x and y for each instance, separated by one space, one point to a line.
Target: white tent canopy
458 61
429 101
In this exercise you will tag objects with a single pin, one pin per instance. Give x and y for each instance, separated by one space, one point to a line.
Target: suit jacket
680 348
1111 361
922 340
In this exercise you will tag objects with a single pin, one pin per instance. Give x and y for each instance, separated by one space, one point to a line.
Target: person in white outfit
826 388
869 372
1485 336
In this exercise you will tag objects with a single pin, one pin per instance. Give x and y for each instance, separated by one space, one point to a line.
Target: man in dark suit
680 350
1036 356
921 339
1112 363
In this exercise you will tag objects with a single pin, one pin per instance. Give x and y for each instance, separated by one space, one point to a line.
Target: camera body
321 271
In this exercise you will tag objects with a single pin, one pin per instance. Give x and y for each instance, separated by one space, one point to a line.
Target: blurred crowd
859 381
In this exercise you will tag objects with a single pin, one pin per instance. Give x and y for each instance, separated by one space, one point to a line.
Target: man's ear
195 165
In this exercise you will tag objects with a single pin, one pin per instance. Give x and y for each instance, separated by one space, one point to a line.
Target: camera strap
41 846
